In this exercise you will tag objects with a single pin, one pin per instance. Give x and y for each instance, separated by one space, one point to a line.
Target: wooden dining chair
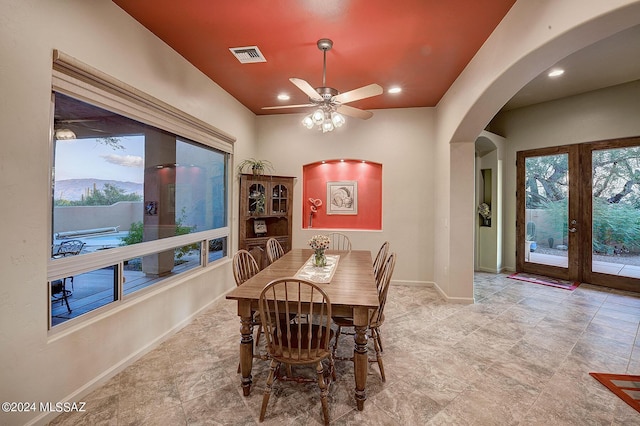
376 317
339 241
380 259
297 343
274 250
245 267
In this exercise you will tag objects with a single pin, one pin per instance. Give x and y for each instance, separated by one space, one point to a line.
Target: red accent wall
314 185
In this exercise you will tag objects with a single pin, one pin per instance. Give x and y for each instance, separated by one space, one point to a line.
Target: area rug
626 387
539 279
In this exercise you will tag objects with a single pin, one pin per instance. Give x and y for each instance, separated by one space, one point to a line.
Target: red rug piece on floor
626 387
539 279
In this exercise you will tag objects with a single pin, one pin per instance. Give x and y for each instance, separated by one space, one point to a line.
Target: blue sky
91 158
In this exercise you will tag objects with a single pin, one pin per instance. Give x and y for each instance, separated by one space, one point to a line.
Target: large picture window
138 195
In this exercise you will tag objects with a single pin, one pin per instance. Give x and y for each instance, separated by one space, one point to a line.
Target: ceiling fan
64 128
329 102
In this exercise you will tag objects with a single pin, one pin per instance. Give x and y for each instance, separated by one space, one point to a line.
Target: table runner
316 274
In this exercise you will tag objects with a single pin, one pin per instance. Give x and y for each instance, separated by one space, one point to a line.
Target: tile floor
521 355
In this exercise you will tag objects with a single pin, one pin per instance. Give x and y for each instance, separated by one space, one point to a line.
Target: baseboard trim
412 283
459 300
108 374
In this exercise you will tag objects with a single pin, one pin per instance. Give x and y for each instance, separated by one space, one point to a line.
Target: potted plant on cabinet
257 167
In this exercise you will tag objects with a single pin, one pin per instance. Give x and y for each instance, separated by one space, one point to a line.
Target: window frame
80 81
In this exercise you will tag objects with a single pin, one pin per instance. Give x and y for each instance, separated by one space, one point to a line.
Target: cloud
124 160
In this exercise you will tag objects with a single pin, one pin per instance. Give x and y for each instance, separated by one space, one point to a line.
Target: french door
578 212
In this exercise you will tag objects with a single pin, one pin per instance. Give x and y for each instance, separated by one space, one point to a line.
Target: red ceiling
420 45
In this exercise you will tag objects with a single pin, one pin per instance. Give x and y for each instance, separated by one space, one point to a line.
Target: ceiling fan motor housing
325 44
326 92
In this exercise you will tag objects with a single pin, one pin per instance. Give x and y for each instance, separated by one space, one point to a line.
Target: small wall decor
151 208
315 203
342 197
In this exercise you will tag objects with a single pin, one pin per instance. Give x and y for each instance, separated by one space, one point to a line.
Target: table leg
360 357
246 346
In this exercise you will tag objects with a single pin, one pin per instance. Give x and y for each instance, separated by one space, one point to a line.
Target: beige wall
401 141
428 189
599 115
37 366
489 152
532 37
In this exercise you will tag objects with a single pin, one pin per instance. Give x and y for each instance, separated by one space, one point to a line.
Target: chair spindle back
244 266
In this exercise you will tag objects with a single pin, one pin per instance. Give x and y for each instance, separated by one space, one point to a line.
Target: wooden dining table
352 292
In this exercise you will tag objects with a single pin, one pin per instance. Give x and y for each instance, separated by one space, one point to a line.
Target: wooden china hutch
265 212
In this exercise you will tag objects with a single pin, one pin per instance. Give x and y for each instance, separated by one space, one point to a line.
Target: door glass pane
546 209
616 211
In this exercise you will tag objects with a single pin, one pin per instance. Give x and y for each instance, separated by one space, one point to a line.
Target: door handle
572 229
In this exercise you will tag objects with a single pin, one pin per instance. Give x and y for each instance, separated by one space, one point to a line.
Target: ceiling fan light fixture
318 116
327 126
337 119
307 122
64 134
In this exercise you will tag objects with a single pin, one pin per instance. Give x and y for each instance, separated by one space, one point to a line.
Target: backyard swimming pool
98 242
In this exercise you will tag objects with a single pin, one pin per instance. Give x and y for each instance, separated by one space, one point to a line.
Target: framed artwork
260 226
151 208
342 197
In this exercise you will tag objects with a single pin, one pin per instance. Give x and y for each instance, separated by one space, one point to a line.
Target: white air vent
248 54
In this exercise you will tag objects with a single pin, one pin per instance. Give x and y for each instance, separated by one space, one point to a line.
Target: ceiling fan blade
306 88
289 106
79 120
354 112
356 94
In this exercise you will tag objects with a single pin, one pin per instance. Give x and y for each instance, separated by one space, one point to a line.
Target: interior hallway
520 355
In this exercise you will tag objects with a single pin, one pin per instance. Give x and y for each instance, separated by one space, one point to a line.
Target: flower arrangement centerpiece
485 211
319 243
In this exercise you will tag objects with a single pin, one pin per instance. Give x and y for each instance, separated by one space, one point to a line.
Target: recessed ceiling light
395 89
556 72
283 97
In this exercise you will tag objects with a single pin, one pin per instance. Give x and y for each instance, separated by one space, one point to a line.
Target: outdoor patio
626 266
95 289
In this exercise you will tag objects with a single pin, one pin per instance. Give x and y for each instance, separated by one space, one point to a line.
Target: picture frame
259 226
151 208
342 197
